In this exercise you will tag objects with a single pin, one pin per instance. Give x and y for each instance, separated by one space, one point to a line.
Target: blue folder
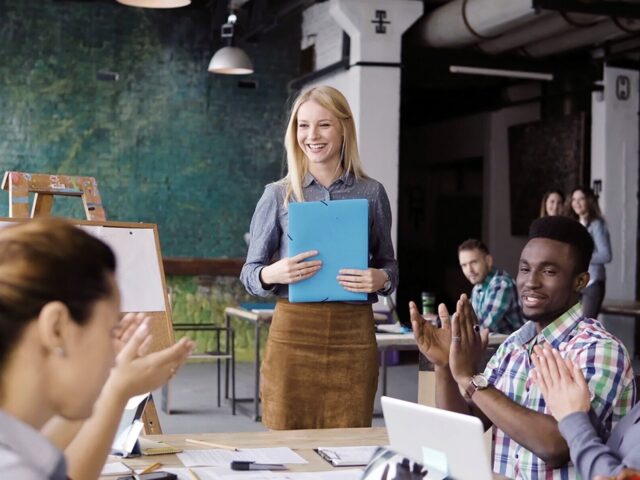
339 231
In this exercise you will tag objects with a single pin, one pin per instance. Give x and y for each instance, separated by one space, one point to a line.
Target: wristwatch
478 382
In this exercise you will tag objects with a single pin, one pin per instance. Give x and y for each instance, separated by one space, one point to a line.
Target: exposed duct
460 23
542 28
597 34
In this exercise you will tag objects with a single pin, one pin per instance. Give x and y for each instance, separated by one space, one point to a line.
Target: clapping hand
561 382
137 371
432 341
468 342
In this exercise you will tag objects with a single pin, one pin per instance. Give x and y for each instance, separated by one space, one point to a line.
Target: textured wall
169 143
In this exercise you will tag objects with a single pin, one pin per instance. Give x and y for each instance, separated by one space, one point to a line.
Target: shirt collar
31 446
555 332
347 178
485 283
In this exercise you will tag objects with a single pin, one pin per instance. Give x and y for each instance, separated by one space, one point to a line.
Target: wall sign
623 87
381 21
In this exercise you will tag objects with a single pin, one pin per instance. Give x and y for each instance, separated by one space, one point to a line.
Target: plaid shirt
604 362
495 302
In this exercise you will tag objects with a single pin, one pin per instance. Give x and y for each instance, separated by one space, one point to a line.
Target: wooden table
302 441
262 318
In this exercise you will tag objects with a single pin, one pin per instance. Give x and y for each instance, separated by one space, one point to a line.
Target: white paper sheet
115 468
219 457
349 474
219 473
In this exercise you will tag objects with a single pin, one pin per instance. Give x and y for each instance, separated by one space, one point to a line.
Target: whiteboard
138 269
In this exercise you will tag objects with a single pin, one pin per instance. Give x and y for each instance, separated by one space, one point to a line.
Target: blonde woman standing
321 367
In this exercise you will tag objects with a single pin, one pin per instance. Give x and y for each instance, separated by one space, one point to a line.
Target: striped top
604 362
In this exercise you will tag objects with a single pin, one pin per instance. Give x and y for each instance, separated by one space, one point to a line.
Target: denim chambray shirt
270 225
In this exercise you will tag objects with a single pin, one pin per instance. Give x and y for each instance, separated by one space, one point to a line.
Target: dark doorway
440 207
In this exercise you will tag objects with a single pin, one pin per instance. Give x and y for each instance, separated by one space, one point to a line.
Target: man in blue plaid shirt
494 296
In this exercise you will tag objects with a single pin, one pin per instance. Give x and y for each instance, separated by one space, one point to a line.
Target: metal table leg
256 392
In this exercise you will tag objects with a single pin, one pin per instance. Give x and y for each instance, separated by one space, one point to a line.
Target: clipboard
339 231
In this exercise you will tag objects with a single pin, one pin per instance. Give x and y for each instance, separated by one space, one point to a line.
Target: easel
45 187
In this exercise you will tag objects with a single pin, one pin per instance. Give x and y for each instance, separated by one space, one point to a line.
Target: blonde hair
297 162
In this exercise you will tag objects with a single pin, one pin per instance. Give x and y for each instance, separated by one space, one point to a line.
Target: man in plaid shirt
494 297
526 441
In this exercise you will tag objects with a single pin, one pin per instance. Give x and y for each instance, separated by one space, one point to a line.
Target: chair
221 352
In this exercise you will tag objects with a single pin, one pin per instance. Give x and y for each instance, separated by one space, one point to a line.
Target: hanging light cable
230 60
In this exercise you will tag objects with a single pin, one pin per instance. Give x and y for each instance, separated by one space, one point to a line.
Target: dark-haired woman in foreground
61 339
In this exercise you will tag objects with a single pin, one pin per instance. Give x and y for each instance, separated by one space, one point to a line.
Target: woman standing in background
584 207
552 203
321 365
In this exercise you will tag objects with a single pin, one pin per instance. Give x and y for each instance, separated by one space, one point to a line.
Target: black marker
246 465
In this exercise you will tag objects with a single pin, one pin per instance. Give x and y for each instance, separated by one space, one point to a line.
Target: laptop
450 445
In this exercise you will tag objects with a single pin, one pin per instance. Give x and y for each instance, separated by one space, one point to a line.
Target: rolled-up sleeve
602 243
382 254
264 242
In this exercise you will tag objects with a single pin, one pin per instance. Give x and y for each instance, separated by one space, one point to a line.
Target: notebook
347 456
152 447
448 444
338 230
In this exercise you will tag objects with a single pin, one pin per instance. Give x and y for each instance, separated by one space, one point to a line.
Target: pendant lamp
230 60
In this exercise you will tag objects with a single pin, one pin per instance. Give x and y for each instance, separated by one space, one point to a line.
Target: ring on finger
455 338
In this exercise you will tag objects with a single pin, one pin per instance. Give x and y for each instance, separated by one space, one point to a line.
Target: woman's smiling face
319 134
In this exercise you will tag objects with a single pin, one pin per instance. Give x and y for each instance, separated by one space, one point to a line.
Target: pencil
192 474
152 467
210 444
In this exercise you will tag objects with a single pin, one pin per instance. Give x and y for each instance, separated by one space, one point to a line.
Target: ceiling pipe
544 27
461 23
602 32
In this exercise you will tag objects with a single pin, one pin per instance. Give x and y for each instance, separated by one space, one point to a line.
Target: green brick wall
169 143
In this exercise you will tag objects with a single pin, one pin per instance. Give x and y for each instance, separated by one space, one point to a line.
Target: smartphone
160 475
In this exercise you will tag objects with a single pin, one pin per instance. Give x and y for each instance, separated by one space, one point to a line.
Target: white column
375 28
614 162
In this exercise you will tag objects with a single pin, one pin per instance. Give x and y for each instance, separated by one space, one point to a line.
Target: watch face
480 381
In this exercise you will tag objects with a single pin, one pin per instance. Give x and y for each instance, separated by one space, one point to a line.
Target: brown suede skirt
320 368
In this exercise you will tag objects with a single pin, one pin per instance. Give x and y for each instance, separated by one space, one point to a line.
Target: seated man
526 440
494 296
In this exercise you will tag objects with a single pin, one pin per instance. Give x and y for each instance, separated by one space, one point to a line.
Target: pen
210 444
152 467
245 465
192 474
